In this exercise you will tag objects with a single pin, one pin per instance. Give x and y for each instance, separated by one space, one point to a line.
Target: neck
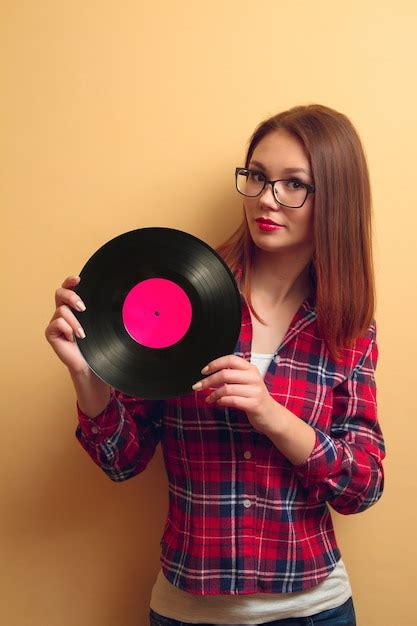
279 278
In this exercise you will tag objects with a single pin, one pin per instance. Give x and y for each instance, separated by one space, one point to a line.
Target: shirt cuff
99 428
321 461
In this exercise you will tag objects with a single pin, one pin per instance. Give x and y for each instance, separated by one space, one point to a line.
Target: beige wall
119 115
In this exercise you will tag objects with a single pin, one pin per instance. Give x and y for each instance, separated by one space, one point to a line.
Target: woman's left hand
237 384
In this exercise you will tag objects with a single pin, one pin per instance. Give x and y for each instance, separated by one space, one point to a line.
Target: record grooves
161 304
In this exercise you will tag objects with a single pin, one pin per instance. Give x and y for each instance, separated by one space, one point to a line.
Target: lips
264 220
267 225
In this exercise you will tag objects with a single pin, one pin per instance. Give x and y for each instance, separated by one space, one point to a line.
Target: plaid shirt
242 519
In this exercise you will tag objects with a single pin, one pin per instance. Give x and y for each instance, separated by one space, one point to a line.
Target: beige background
119 115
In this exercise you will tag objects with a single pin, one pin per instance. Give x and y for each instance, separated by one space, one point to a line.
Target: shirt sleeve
123 438
345 466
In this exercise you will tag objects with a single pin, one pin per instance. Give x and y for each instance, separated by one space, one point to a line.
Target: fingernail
205 370
197 386
80 306
80 333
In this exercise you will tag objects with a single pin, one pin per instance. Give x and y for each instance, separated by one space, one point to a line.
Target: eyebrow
287 170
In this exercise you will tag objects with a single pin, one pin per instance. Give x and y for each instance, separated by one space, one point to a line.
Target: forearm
346 472
93 394
291 435
122 437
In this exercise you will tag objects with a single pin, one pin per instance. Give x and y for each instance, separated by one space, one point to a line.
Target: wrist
87 378
93 394
82 373
274 420
267 420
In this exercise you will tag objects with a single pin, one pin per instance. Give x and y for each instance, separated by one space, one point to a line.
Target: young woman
287 424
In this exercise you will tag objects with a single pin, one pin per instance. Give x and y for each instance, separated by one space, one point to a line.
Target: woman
286 424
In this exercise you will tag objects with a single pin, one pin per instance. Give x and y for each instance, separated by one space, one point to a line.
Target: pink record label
157 313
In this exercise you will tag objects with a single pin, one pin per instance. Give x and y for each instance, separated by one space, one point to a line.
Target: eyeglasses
291 193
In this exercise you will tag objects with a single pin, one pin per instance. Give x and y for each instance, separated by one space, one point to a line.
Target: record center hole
157 313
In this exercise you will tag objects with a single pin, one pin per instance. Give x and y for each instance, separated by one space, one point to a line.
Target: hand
237 384
63 325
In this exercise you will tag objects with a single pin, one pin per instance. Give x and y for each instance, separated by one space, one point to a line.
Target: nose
267 198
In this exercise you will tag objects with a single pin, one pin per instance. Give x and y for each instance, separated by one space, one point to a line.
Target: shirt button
246 504
94 430
247 455
277 359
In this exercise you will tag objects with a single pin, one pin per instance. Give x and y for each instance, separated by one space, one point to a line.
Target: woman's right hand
64 325
93 394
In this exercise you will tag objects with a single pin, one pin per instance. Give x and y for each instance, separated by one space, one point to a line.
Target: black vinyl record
160 305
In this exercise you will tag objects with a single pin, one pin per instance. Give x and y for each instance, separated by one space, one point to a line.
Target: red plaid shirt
242 519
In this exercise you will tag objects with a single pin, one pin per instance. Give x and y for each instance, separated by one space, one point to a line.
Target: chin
271 245
268 241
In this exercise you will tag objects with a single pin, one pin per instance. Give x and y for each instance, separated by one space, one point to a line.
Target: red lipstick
267 225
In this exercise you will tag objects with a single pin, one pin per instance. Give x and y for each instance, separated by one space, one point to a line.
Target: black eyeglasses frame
309 188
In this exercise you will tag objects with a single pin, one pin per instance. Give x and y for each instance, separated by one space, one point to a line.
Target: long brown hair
341 271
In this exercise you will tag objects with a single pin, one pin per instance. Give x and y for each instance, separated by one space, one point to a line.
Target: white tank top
257 608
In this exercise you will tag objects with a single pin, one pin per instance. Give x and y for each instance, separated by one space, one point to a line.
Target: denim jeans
343 615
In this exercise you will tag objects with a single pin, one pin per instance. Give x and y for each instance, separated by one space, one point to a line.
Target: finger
225 376
66 314
70 282
241 391
228 361
236 402
70 298
59 328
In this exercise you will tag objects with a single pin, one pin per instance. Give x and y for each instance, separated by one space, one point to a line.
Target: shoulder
365 341
364 350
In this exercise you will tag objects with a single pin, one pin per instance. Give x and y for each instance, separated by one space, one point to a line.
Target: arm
345 466
120 433
122 439
342 466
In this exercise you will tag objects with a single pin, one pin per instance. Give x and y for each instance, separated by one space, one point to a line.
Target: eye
256 177
294 185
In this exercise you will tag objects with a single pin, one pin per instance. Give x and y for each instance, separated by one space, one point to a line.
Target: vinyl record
160 305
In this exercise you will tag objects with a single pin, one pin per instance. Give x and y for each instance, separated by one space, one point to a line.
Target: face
280 155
